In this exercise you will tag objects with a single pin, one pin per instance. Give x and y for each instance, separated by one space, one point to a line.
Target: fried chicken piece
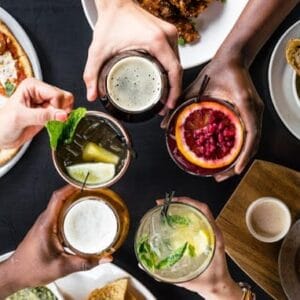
159 8
186 30
165 10
191 8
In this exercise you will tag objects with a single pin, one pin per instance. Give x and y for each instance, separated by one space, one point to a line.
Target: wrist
103 5
10 279
222 290
233 53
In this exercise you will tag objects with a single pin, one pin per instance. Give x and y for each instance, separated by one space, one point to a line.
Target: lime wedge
98 172
95 153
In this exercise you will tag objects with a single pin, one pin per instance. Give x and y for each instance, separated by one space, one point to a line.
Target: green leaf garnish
63 132
178 220
72 123
181 41
147 256
173 258
192 250
9 88
55 130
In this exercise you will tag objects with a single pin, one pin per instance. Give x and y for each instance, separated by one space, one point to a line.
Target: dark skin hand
229 70
40 258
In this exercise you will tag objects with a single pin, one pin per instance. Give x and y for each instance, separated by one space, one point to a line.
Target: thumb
75 263
40 116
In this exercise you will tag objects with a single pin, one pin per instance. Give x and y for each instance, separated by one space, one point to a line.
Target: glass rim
230 106
153 210
118 176
73 204
150 59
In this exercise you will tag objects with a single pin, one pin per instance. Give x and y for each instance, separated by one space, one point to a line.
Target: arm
124 25
33 104
254 27
40 258
229 70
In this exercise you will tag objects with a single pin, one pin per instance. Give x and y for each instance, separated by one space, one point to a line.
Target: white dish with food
67 287
214 24
26 44
282 83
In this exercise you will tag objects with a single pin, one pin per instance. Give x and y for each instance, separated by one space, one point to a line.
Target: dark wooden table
61 36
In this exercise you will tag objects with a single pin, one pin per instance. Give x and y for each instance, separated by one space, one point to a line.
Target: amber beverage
93 223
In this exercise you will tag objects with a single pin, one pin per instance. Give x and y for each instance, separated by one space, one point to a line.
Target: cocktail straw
84 183
167 202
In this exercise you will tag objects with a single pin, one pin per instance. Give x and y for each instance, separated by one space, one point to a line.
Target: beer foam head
90 226
134 84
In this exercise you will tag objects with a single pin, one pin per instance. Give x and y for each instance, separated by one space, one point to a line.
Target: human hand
40 258
131 28
25 113
230 80
215 283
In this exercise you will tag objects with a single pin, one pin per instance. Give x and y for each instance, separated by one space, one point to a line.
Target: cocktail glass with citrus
176 247
97 156
205 137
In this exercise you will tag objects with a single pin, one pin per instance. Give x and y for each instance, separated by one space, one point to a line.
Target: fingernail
159 202
221 178
105 259
60 116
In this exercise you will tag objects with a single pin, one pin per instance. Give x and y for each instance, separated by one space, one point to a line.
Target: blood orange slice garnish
209 134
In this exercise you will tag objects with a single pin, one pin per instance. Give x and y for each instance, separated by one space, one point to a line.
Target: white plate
214 25
78 285
281 83
25 42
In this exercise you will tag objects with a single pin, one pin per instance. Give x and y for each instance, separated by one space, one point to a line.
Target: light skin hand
40 258
25 113
132 29
215 283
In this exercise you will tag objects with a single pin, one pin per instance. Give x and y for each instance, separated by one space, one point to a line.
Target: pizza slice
14 67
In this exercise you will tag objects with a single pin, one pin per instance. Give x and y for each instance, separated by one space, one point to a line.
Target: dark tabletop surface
61 36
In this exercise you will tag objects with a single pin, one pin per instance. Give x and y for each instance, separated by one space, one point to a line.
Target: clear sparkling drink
175 248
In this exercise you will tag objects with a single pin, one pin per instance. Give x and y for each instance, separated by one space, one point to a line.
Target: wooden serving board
259 260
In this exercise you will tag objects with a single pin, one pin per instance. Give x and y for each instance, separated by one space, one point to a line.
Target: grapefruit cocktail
205 137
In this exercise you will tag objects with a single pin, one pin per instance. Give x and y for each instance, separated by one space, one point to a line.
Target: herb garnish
63 132
150 260
181 41
9 88
173 258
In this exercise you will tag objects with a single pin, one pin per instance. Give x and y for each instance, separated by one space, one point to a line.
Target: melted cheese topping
8 70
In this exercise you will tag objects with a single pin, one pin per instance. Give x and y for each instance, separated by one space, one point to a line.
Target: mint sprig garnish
172 259
177 220
63 132
150 259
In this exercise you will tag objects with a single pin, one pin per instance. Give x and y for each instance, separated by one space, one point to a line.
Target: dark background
61 36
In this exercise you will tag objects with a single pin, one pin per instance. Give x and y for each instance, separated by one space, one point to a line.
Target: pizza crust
25 63
7 154
4 29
